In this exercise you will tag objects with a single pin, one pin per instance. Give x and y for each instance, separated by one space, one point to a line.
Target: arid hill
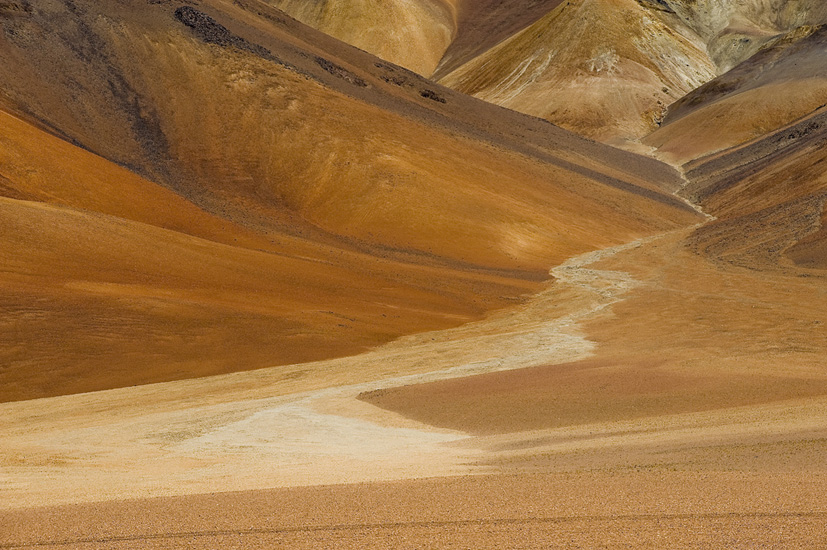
784 82
195 191
604 68
627 60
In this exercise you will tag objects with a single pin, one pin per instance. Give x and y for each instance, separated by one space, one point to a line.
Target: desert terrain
422 274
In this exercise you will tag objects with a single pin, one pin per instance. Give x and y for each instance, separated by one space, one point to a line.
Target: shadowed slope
482 24
413 34
735 29
769 195
784 81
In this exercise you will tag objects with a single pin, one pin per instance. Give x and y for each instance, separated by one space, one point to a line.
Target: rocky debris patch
212 32
660 5
432 95
341 72
14 8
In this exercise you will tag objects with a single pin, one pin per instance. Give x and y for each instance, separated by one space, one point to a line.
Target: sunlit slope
781 83
295 148
410 33
288 207
604 68
112 280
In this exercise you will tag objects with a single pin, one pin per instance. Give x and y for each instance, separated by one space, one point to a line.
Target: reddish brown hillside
220 192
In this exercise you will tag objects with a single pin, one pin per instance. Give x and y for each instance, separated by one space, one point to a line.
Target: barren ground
677 443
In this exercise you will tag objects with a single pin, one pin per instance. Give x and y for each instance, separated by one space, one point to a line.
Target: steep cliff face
604 68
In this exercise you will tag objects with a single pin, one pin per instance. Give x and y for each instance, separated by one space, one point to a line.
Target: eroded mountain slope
780 84
215 191
410 33
603 68
735 29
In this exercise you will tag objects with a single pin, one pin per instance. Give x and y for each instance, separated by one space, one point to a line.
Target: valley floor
650 397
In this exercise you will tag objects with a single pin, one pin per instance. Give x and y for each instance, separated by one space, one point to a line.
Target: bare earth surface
726 463
298 199
577 510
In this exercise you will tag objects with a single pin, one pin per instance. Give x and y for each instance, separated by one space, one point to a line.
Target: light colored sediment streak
289 426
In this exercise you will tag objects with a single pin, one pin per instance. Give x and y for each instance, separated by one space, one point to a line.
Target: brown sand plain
579 510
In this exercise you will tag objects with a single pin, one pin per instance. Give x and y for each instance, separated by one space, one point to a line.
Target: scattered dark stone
340 72
432 95
396 80
660 5
10 8
212 32
801 131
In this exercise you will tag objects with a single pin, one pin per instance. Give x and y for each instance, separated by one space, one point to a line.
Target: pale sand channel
289 426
